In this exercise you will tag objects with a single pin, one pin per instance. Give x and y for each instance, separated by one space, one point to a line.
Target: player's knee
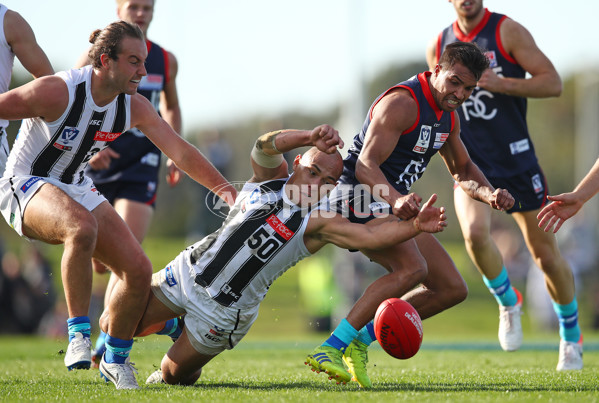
104 320
174 376
139 272
82 232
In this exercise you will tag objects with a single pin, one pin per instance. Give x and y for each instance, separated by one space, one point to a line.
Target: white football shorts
17 191
211 327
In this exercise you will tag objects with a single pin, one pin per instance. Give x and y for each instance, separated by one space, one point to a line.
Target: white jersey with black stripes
261 238
61 149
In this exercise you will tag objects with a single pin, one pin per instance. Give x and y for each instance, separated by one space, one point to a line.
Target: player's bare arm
21 39
267 160
323 229
171 113
519 43
468 175
46 97
395 113
186 156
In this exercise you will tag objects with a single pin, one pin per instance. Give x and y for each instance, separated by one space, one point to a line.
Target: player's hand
431 218
174 174
490 81
562 207
407 206
501 200
101 160
326 139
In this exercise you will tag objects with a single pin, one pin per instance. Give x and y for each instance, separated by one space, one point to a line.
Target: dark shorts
136 191
356 205
529 189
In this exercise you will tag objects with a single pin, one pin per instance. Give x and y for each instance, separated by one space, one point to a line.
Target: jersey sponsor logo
475 107
423 139
537 184
151 159
279 227
29 183
217 334
106 136
68 135
492 58
211 337
170 277
227 290
519 146
440 139
95 122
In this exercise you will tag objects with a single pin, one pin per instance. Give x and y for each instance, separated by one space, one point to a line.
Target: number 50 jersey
260 239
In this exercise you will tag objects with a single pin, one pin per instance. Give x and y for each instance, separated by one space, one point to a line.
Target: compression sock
79 324
569 329
117 350
341 336
171 328
501 289
366 334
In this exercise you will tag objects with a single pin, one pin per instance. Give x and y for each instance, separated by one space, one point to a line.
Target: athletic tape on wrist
266 161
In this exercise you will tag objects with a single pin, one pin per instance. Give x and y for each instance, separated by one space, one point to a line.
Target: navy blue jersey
415 146
140 158
493 126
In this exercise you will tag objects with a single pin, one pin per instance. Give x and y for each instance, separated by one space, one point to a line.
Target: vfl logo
423 140
254 196
68 135
536 183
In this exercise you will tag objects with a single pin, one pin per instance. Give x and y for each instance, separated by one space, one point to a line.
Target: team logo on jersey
106 136
170 277
29 183
423 139
492 58
68 135
279 227
440 139
537 184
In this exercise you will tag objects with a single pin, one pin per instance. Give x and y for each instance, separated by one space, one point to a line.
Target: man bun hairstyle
467 53
108 40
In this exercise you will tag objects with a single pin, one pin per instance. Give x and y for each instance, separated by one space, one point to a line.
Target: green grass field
460 360
264 370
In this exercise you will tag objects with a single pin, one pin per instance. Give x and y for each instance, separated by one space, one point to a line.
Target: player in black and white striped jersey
277 220
45 195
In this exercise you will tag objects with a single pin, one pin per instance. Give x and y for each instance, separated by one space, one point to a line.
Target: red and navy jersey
415 146
493 126
139 158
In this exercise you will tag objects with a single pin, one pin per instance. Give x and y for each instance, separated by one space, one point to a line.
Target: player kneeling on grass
277 220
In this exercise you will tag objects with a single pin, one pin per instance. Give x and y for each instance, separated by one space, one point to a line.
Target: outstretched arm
345 234
566 205
267 154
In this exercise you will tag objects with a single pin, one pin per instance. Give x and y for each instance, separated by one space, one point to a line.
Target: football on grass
398 328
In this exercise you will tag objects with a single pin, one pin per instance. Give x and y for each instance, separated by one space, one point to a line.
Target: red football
398 328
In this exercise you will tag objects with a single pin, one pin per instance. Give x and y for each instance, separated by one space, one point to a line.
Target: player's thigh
474 217
51 215
442 271
541 244
401 256
116 246
137 215
182 360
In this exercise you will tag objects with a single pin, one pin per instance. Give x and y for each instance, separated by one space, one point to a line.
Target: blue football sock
171 328
79 324
501 289
341 336
117 350
569 329
100 341
366 334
